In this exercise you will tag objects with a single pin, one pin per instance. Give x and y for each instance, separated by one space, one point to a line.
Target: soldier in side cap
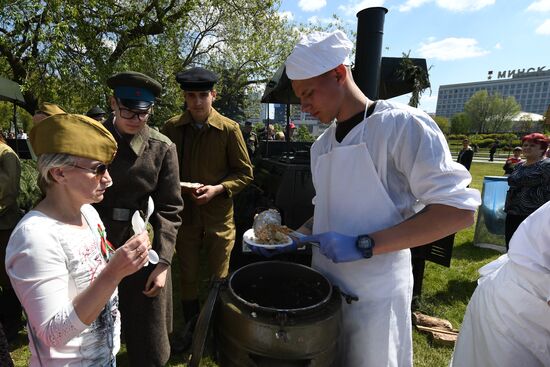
146 166
212 154
371 170
46 109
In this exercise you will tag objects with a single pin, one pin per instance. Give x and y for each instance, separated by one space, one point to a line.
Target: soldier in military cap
46 109
96 113
146 165
211 153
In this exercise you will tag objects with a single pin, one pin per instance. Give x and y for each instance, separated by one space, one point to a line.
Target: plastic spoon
139 226
153 256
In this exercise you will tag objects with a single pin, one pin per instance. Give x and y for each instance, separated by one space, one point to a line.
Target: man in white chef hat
371 170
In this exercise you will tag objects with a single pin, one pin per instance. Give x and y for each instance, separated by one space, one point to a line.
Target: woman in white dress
59 261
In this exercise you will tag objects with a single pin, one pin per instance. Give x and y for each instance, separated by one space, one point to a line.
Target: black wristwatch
365 244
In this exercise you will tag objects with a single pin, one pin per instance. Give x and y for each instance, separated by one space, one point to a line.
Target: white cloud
411 4
452 5
464 5
352 8
315 20
451 49
544 28
286 15
311 5
539 5
498 46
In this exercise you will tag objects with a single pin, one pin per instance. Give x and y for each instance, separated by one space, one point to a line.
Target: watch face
365 244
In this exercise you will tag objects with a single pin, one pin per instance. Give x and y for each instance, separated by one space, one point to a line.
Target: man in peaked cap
146 165
211 153
370 170
96 113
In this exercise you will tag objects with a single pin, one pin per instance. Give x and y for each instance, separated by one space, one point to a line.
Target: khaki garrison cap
76 135
49 109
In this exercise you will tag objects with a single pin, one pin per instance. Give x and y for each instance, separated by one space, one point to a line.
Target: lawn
446 291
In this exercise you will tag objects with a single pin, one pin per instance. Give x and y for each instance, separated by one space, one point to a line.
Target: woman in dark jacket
529 183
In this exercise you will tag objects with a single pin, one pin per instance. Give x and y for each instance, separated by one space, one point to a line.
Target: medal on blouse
105 246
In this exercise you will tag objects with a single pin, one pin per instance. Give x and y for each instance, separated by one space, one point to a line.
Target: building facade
531 89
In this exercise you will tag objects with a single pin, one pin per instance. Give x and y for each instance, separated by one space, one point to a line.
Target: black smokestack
368 49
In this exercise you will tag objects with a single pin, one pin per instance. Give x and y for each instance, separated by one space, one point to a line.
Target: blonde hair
46 162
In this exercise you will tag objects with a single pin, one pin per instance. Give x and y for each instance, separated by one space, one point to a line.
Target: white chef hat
316 53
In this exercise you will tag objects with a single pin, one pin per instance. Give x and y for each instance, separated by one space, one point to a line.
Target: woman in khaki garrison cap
60 263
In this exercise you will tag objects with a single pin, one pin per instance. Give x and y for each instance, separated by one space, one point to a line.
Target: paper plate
250 239
190 185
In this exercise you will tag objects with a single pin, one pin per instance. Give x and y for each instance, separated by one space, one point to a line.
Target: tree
504 110
408 71
443 124
491 113
460 123
303 134
525 124
63 51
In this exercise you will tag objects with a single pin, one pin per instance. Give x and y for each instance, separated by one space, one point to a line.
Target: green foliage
443 124
414 74
491 113
460 123
458 137
29 193
506 141
63 51
23 119
302 134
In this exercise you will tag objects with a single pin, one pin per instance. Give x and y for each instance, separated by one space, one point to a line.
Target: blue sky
461 39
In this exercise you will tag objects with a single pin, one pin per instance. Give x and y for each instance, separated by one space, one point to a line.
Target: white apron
507 322
351 199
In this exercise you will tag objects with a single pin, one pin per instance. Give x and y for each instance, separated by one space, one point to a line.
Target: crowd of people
384 180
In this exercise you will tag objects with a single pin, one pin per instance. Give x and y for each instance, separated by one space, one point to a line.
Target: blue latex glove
336 246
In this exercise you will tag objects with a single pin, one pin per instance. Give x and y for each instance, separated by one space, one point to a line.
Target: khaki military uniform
211 155
144 166
10 214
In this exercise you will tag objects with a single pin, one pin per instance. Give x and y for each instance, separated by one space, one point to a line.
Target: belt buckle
121 214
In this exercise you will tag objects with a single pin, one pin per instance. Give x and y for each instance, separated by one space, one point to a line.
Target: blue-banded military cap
197 79
135 90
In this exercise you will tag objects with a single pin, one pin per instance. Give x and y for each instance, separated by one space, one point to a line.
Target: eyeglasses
98 170
129 114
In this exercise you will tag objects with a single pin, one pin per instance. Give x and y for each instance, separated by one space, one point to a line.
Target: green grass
445 293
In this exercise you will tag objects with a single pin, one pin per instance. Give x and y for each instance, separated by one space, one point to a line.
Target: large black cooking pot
277 313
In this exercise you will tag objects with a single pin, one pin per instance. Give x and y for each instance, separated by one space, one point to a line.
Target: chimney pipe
368 50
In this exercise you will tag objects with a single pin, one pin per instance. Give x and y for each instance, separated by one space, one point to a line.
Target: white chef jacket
412 159
530 245
507 322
